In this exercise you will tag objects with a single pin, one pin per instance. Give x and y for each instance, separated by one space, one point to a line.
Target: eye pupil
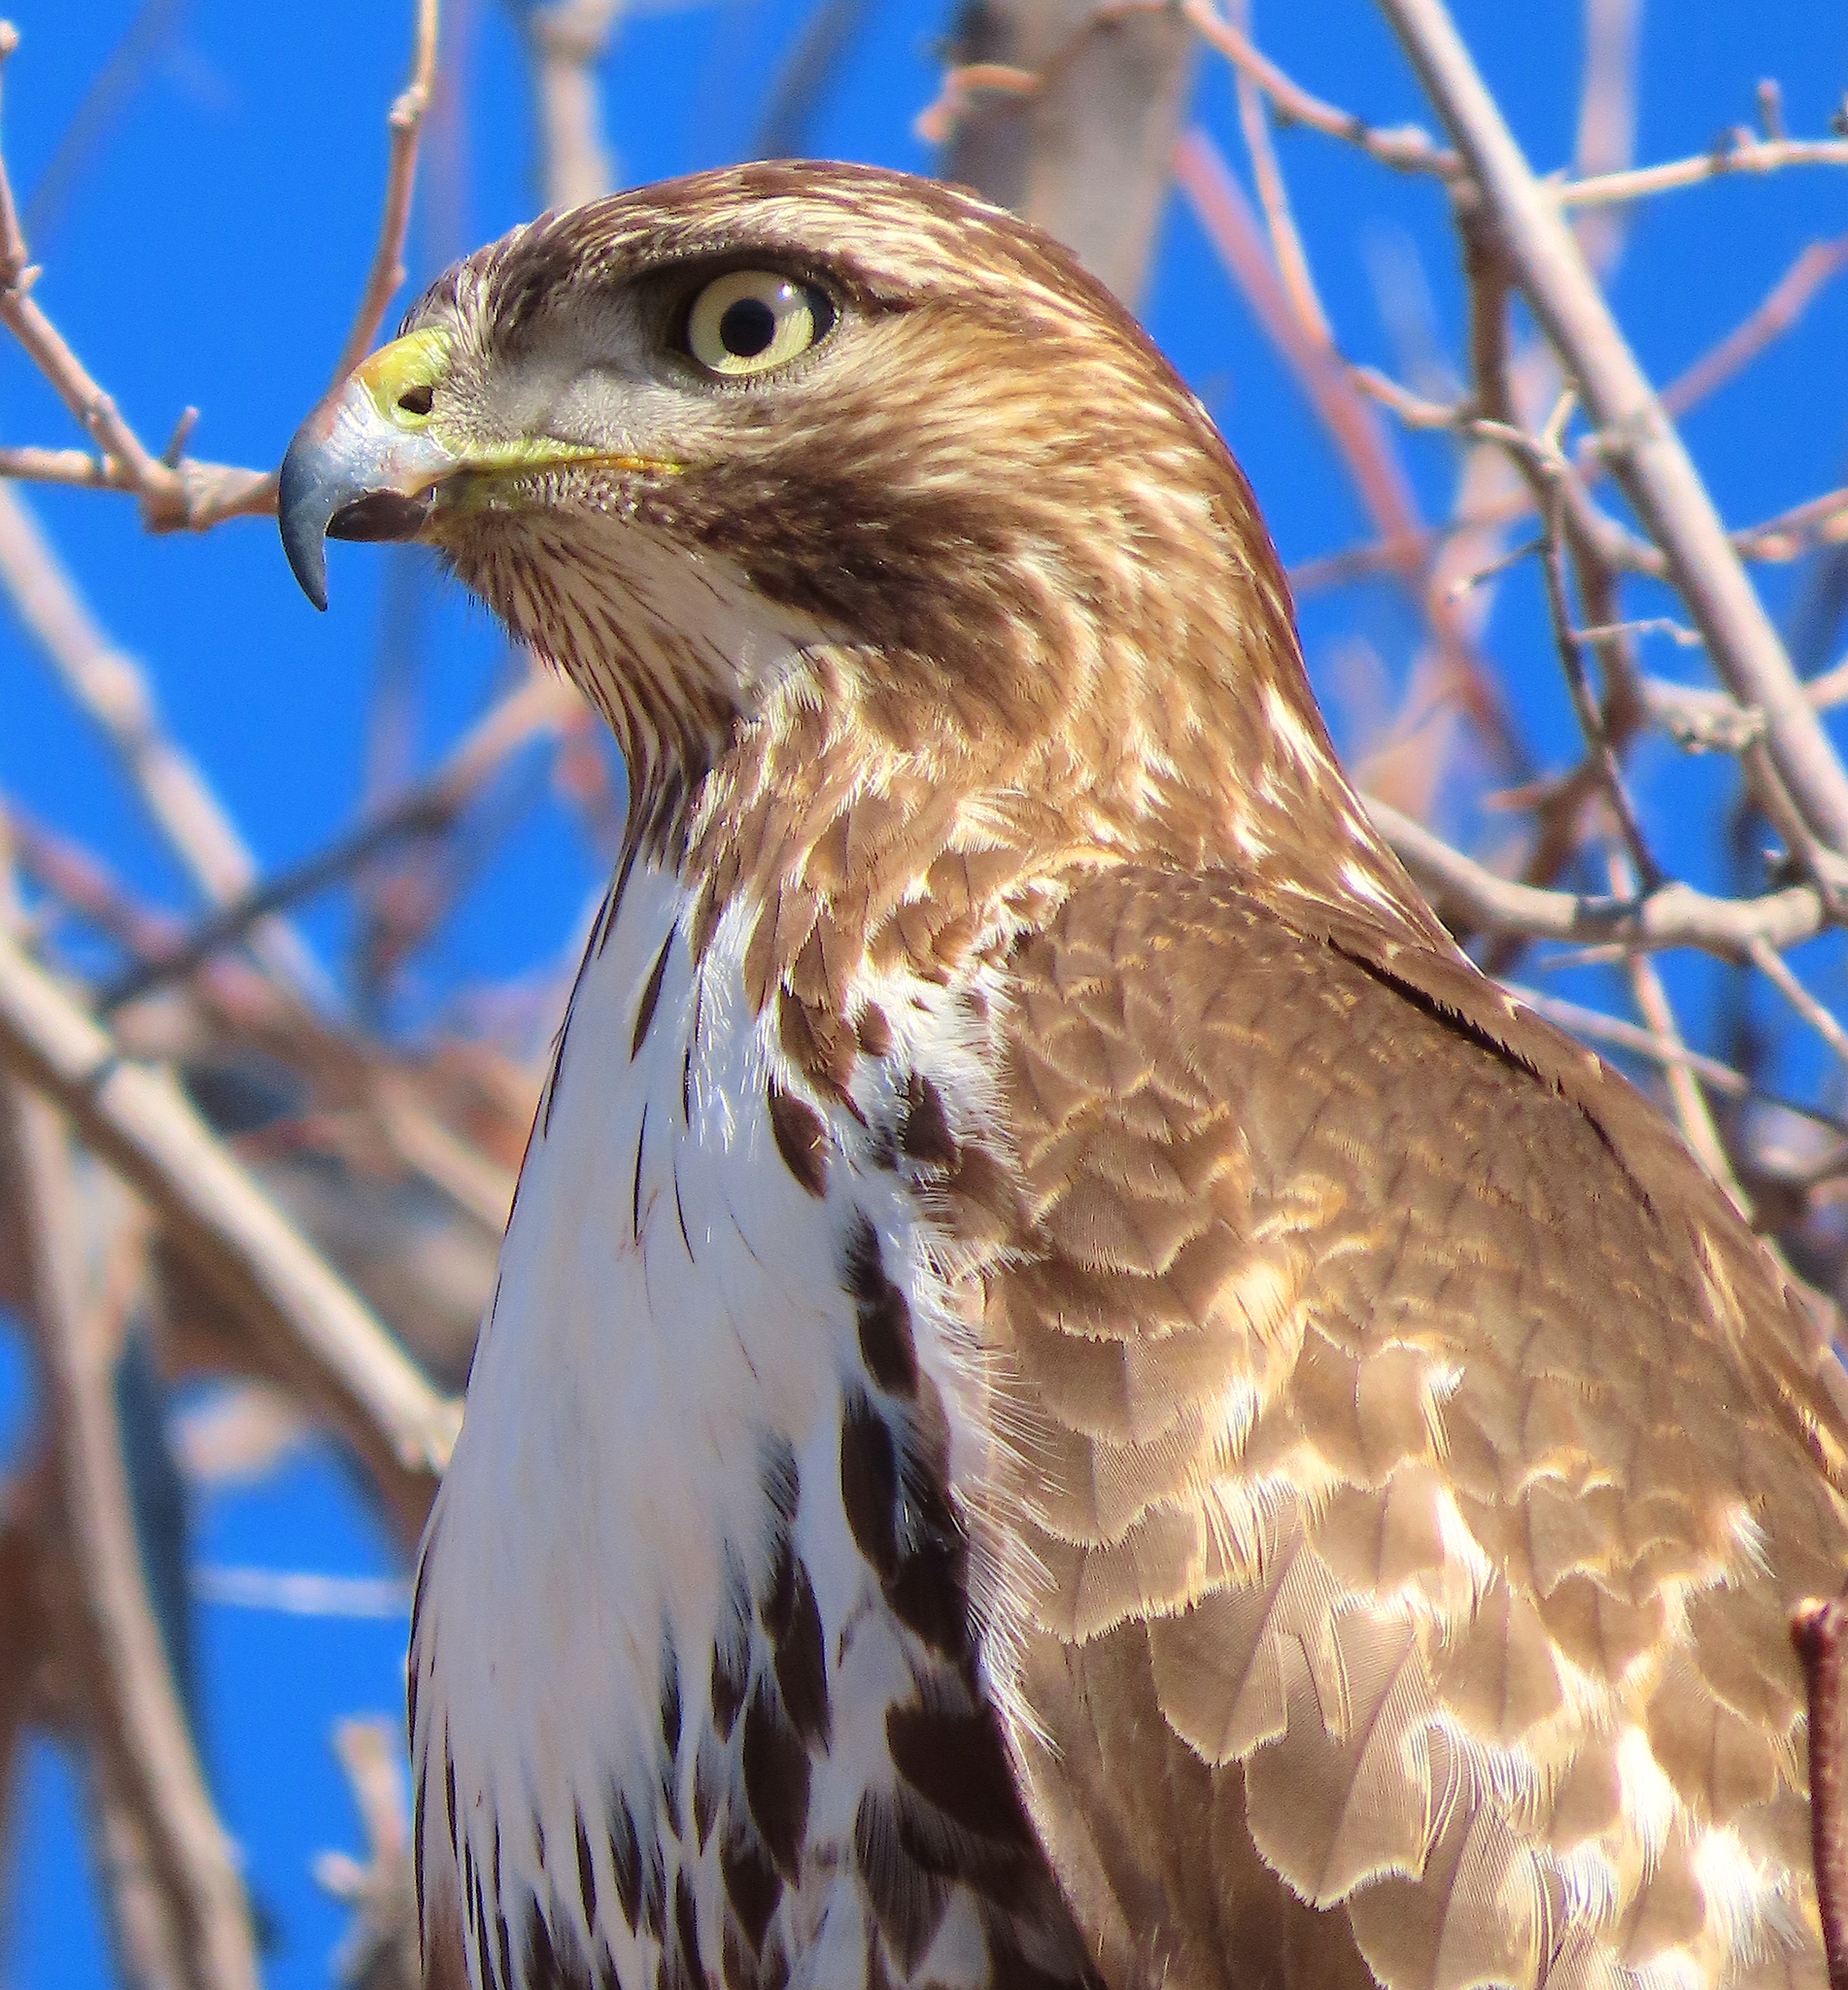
417 400
748 327
749 322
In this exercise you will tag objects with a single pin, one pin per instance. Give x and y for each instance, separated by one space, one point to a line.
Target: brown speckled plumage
1329 1470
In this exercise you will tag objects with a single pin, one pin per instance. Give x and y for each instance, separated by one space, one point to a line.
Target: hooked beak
363 465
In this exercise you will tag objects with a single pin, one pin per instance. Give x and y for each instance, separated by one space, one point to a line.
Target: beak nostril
417 400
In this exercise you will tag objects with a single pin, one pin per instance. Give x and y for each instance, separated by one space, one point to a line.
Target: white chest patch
696 1695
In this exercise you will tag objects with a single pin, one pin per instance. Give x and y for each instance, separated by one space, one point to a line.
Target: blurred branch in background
220 1153
188 1924
176 490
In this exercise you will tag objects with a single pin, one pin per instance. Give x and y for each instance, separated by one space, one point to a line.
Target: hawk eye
748 321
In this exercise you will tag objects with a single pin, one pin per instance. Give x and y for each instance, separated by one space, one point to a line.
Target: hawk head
793 436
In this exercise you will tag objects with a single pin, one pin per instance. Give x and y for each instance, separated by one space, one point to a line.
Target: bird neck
920 820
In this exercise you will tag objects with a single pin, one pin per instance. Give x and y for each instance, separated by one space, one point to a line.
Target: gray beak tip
305 500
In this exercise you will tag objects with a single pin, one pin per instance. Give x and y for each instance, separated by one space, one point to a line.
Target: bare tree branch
1083 148
541 704
1405 149
1365 448
1816 266
1676 915
1819 1630
114 691
1691 1111
177 492
1668 1052
316 1331
1737 152
1638 443
405 123
137 1724
567 39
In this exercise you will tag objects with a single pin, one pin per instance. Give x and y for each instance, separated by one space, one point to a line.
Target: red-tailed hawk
1072 1396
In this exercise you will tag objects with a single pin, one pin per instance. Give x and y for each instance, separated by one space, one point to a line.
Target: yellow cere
392 372
420 359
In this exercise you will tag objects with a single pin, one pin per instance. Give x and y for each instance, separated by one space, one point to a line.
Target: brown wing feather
1424 1458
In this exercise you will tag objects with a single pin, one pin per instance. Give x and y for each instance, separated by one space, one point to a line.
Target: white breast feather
647 1330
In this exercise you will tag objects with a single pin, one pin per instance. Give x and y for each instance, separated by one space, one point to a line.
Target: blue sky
205 245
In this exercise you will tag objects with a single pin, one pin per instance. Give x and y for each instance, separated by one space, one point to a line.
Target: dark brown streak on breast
801 1664
953 1757
586 1873
554 1075
869 1484
924 1133
802 1139
881 1312
650 995
625 1857
907 1898
776 1772
686 1922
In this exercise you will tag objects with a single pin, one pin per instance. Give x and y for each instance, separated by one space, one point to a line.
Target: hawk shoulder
1422 1457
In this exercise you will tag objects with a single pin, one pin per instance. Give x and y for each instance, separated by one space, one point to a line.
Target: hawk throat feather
1073 1397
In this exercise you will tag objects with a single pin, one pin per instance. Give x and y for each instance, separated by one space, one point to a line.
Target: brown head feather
996 596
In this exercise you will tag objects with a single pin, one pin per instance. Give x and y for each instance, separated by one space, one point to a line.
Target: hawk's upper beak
364 464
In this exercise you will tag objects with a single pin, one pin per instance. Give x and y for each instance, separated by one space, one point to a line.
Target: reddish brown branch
1819 264
1818 1630
1365 446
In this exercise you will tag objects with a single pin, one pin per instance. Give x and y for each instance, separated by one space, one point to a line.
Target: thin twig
1606 137
1738 152
1273 193
808 72
1364 445
1771 963
1641 446
1570 643
220 491
101 105
1820 522
236 999
182 494
1816 266
137 1720
1668 1052
1539 461
405 122
1788 535
1819 1630
1691 1114
1404 148
1676 915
